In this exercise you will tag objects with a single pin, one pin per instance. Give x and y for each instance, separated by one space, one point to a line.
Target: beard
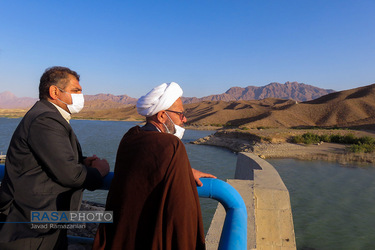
169 124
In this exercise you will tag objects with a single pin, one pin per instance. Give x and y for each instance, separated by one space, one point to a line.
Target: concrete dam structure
269 213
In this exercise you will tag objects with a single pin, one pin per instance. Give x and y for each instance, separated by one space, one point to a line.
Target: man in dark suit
44 168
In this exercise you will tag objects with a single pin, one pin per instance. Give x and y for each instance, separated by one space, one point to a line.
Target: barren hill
289 90
123 99
107 101
233 113
349 108
109 107
355 107
9 101
125 113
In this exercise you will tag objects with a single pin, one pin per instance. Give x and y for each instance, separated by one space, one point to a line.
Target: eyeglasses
73 91
181 114
60 89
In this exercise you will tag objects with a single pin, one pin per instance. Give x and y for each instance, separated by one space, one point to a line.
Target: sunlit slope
355 107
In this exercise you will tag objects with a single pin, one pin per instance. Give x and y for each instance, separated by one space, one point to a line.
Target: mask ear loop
168 131
63 101
64 92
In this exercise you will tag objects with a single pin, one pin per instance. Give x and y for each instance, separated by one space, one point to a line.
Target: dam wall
270 220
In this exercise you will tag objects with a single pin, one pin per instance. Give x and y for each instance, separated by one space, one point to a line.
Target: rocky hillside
349 108
290 90
9 101
355 107
108 101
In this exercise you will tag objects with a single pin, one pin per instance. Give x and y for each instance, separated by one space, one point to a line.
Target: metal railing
234 233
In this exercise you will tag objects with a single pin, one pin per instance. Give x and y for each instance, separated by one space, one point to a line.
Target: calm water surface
103 137
333 205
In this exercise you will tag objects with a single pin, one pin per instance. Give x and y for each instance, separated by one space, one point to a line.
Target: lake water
103 137
333 206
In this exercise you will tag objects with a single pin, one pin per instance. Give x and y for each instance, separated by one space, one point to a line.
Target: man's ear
53 92
161 116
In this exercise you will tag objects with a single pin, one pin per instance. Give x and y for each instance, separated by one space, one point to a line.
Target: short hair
56 75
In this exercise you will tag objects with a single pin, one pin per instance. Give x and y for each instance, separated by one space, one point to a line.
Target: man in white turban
158 99
153 194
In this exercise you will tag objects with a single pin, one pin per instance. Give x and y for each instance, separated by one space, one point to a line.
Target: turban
158 99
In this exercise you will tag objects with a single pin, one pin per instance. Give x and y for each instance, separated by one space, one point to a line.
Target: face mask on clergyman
179 131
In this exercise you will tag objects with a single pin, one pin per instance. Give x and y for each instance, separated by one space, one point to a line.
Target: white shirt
66 115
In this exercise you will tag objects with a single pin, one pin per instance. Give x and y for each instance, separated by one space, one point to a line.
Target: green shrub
298 139
335 138
367 140
349 139
363 144
359 148
325 138
310 138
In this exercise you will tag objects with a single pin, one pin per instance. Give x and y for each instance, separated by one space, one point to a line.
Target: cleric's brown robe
153 196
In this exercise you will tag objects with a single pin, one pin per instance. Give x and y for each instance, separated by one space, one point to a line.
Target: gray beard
170 126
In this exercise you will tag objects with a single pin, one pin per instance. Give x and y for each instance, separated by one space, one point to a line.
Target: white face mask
78 102
179 131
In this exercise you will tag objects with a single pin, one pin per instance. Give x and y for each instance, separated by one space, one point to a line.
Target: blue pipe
234 233
2 171
107 181
80 240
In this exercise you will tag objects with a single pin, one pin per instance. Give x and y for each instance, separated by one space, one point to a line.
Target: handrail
234 233
107 181
2 171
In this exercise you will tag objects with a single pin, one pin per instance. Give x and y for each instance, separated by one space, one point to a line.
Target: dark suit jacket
43 172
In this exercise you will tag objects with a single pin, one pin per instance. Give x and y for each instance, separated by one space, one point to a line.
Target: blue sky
207 46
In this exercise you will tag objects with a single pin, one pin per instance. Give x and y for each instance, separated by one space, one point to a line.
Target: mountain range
349 108
289 90
9 101
354 108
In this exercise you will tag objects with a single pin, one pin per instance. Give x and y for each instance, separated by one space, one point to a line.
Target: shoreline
281 149
272 143
191 127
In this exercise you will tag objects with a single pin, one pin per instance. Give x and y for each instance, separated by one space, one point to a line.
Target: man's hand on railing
198 174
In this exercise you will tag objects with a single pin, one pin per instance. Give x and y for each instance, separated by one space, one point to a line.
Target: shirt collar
63 113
